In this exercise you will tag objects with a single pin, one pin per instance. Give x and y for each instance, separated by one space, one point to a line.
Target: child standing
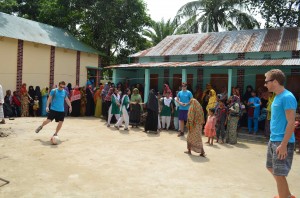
124 110
210 129
176 121
36 106
221 115
167 110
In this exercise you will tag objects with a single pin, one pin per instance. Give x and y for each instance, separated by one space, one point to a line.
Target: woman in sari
152 113
195 125
103 95
82 101
135 108
31 93
90 105
98 102
24 101
75 96
44 94
212 102
38 93
233 119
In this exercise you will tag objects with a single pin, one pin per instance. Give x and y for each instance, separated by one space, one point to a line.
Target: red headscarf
23 89
166 90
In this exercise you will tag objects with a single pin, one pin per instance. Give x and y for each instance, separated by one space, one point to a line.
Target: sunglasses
267 81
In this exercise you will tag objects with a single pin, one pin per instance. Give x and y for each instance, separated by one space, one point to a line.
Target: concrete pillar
114 76
184 76
147 85
229 82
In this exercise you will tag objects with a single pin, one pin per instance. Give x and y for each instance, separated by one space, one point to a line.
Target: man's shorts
280 167
182 115
57 115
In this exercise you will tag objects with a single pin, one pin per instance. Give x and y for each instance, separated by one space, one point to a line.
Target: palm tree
160 30
210 15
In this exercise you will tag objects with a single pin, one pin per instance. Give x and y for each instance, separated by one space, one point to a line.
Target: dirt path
96 161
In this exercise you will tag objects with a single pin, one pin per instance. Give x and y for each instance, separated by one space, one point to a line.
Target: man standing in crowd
282 138
1 106
57 111
183 99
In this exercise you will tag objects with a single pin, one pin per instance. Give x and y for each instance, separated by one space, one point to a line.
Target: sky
166 9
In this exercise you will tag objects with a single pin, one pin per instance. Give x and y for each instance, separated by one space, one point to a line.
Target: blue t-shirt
58 101
282 102
185 97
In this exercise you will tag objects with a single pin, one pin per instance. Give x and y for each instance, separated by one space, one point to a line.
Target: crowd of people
222 115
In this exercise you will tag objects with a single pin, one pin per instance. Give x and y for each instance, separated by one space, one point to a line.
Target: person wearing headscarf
98 102
103 95
38 93
90 105
24 101
75 96
152 113
212 102
1 106
198 94
233 119
69 87
82 101
135 108
195 125
66 106
31 93
268 119
107 101
206 91
166 110
44 94
114 109
247 94
167 90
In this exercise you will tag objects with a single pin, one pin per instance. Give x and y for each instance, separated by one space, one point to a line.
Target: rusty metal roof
234 63
259 40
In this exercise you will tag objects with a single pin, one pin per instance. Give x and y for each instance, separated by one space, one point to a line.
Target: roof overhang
221 63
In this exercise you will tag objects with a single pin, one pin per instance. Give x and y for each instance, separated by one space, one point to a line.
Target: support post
184 76
147 85
229 82
114 76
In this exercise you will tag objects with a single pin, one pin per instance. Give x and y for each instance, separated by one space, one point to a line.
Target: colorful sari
212 100
98 102
24 101
195 124
44 101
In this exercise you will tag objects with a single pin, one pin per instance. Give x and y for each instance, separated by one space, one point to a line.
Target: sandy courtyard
96 161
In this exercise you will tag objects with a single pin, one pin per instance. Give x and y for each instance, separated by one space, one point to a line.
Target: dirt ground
95 161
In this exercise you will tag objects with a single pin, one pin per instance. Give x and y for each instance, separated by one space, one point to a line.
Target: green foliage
210 15
160 30
279 13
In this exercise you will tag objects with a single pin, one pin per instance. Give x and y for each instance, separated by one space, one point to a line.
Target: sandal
202 155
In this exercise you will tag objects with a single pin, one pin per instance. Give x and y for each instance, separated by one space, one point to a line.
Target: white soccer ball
55 140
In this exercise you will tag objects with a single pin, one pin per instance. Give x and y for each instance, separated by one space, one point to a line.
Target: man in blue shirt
282 139
183 99
57 97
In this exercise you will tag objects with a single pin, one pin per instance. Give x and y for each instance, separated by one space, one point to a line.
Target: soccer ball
55 140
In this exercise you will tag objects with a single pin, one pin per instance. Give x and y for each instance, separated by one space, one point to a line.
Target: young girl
167 110
114 108
124 110
176 121
210 129
36 106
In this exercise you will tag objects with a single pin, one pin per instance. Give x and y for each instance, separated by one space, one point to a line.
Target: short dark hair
62 83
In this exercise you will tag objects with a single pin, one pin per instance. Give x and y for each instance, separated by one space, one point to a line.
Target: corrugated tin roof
277 62
27 30
259 40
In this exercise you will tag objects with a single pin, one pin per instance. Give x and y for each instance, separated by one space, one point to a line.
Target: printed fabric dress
233 119
194 125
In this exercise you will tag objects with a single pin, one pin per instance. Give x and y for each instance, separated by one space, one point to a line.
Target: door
292 84
260 81
154 81
177 80
218 81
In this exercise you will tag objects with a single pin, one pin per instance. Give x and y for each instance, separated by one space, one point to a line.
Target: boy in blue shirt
57 109
282 139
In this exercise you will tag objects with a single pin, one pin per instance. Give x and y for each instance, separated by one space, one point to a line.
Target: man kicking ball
57 110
